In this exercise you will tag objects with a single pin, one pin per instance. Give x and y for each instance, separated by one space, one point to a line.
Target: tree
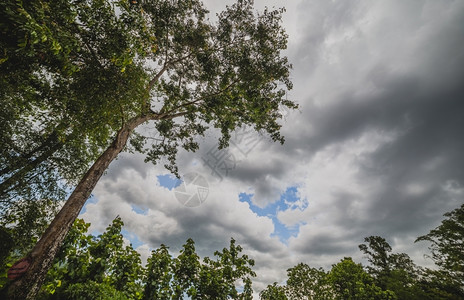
447 247
346 280
224 75
6 261
159 275
438 285
87 266
395 272
186 275
101 266
350 281
377 251
21 226
303 282
26 221
217 279
186 269
273 292
51 127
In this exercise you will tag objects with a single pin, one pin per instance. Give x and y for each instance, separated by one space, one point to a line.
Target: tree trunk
43 253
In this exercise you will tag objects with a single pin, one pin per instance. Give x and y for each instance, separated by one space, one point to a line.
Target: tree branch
203 98
166 66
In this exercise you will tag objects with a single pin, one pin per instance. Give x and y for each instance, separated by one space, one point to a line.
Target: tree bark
43 253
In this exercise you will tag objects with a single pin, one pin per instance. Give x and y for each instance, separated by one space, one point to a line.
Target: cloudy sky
375 149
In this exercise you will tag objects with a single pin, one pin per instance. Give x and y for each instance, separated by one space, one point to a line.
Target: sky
376 147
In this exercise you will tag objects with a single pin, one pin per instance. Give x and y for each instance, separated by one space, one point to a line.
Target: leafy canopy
447 247
74 72
62 89
88 265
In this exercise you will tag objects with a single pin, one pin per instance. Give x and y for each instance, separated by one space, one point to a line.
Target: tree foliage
87 265
350 281
104 267
447 247
395 272
60 60
388 275
447 242
21 226
305 282
346 280
186 275
273 292
158 281
72 72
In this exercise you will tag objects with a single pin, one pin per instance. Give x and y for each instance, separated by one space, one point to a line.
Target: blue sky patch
288 200
139 209
169 181
132 238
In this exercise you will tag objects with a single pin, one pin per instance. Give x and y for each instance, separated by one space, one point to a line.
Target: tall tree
158 281
447 246
392 271
346 280
101 266
21 225
350 281
224 75
377 251
273 292
218 278
186 269
26 221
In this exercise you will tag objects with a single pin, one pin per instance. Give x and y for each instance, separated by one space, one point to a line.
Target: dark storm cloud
432 62
413 94
323 244
424 104
417 165
426 154
251 170
435 116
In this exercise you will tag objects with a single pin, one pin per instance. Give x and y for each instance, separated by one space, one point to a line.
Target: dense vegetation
103 267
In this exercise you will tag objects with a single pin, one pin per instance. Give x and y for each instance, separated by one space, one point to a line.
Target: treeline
103 267
388 275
